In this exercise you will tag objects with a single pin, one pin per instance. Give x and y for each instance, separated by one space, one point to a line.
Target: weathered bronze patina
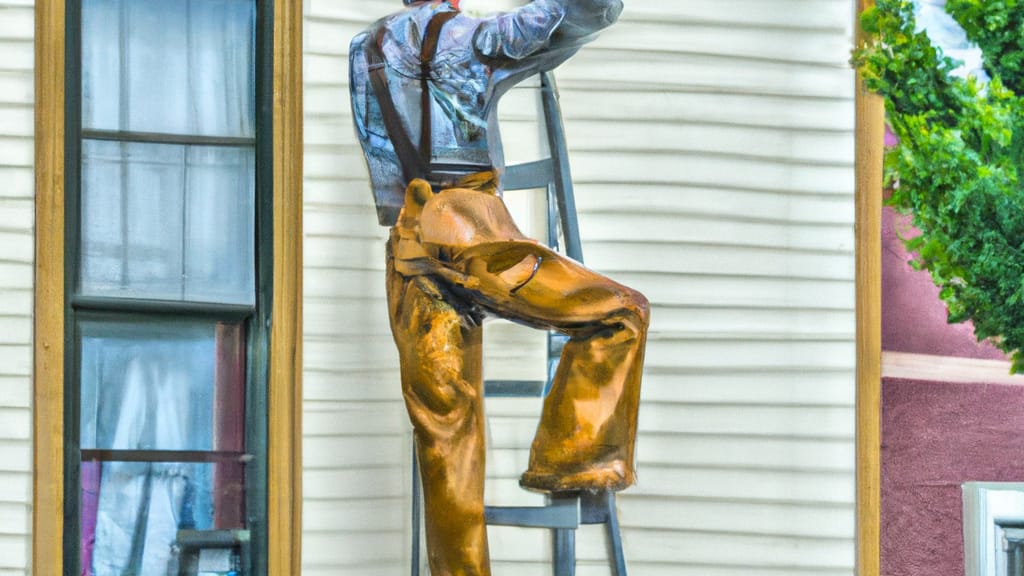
455 256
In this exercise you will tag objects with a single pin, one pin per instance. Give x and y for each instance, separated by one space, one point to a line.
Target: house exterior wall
16 280
711 143
950 414
937 436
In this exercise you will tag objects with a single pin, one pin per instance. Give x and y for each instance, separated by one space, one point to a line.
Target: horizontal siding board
17 271
819 46
333 452
15 518
792 15
694 105
15 424
333 419
600 568
693 546
751 421
16 150
742 550
15 329
784 144
813 454
508 451
18 247
351 483
693 169
768 519
726 483
688 353
722 73
718 258
388 569
18 54
15 391
369 386
15 302
16 450
15 120
16 215
15 487
733 385
16 22
19 179
368 514
751 322
16 360
352 549
18 87
714 203
739 291
14 548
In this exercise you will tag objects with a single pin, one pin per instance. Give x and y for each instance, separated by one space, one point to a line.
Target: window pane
132 511
169 66
162 386
169 222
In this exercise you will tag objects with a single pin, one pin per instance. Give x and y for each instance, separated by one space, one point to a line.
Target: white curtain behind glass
138 394
169 66
168 221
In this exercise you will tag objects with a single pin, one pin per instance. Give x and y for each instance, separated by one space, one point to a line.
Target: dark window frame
257 317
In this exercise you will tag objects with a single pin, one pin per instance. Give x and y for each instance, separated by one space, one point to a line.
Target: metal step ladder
563 513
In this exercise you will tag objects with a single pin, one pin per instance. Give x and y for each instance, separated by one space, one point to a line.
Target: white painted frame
985 505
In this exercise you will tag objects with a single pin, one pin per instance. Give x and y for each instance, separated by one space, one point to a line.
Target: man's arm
545 27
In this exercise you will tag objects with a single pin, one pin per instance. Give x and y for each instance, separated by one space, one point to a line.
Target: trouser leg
441 382
586 436
587 432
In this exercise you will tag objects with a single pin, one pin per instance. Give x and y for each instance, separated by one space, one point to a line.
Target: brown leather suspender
415 161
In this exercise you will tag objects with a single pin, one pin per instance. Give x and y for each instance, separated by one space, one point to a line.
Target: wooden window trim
870 129
285 390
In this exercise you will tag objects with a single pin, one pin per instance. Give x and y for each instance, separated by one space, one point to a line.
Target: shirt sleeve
544 25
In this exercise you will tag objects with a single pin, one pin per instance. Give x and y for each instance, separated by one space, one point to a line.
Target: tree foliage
956 168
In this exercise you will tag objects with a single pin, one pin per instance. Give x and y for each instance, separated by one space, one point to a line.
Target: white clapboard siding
16 280
711 143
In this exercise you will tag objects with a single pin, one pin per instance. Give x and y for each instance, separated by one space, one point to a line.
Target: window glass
161 386
167 221
132 511
165 211
169 66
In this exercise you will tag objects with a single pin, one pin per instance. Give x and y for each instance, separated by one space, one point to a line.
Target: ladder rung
529 175
514 388
561 513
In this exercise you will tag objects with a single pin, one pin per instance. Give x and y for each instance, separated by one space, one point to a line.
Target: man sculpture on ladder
425 84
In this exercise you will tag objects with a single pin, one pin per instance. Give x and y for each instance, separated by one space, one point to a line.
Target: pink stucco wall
913 317
935 435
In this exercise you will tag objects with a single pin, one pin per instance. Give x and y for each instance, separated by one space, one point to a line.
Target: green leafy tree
956 168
